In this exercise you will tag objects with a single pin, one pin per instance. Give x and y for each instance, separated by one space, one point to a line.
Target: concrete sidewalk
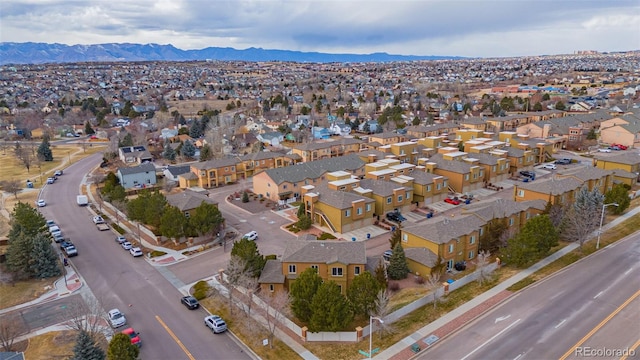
478 305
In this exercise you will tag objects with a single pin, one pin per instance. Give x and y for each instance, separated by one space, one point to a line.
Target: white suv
215 323
116 318
251 236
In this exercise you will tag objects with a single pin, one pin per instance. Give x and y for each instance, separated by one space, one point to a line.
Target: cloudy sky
474 28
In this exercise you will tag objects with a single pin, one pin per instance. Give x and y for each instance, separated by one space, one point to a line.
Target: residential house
334 261
625 166
134 154
388 195
172 172
320 133
387 138
143 175
464 174
422 131
254 163
287 182
187 200
515 214
327 149
273 138
211 173
453 239
623 130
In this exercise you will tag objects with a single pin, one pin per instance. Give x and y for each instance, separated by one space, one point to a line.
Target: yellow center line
632 348
602 323
175 338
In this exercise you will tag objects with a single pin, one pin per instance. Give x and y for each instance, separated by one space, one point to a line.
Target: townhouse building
623 130
327 149
463 173
625 166
334 261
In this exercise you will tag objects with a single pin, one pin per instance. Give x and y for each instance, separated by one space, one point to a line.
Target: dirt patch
52 345
255 205
14 293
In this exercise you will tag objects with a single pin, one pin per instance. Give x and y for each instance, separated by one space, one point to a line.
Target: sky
470 28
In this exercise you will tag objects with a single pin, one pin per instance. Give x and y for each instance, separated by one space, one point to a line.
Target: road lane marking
561 322
632 348
628 271
502 318
598 294
175 338
601 324
517 357
491 339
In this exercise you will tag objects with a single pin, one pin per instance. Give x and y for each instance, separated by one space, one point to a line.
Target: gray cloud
421 27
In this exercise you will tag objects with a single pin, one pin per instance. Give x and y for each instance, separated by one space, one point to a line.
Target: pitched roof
456 166
272 273
327 144
146 167
314 169
325 252
585 173
176 170
552 186
623 157
422 256
381 187
215 163
489 209
339 199
442 230
188 200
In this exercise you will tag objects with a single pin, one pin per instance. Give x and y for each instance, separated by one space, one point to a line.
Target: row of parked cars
213 322
133 250
67 247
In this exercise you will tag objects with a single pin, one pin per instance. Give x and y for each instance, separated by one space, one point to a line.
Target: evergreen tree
302 292
533 242
381 274
206 153
396 237
362 293
247 250
86 348
172 223
330 309
44 150
206 218
18 255
304 222
168 152
619 195
126 141
196 129
560 106
301 209
121 348
44 261
188 149
88 129
245 197
398 268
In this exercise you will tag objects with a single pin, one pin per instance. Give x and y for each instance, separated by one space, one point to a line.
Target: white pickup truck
100 223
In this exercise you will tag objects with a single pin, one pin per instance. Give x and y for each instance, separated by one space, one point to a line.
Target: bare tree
276 311
482 262
381 310
25 155
433 284
168 185
10 329
88 316
11 186
236 275
250 284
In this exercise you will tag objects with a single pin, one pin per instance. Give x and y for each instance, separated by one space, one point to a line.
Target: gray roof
500 208
272 273
146 167
456 166
442 230
339 199
176 170
216 163
314 169
325 252
628 157
327 144
552 186
422 177
188 200
261 155
585 173
382 187
485 159
422 256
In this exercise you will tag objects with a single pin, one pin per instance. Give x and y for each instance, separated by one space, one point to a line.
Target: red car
452 201
134 336
619 146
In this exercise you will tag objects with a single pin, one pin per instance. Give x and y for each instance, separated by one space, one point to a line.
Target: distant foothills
40 53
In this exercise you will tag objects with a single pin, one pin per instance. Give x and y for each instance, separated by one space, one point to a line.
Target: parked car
65 243
135 251
134 336
98 219
452 201
71 250
529 174
215 323
604 150
58 173
619 146
50 223
387 255
120 239
190 302
126 245
549 166
51 180
41 203
563 162
395 216
58 238
116 318
251 235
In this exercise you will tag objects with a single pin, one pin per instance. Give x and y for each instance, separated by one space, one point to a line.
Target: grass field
23 291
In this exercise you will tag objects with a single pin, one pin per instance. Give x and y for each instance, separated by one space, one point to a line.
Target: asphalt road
593 303
43 315
150 303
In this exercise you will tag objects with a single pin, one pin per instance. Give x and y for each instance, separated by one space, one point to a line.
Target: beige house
623 130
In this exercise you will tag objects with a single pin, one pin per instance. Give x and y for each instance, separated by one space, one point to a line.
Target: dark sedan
190 302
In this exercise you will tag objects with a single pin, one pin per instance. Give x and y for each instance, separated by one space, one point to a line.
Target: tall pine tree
44 261
398 268
330 309
169 153
302 292
86 348
44 150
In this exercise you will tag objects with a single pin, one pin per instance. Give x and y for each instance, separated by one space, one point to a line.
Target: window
428 188
438 186
481 231
356 270
450 248
466 176
389 200
226 169
336 271
510 221
233 168
315 267
471 254
284 187
359 211
405 237
409 195
186 214
493 168
368 207
292 269
527 215
347 213
271 287
399 198
472 240
520 193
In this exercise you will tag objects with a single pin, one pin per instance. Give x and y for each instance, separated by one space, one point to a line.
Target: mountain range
40 53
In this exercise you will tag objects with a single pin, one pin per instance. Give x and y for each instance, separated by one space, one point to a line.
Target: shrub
419 280
271 257
118 229
200 294
304 222
156 253
326 236
394 286
245 197
201 285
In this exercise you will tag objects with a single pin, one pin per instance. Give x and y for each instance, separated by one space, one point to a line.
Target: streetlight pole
604 206
371 332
